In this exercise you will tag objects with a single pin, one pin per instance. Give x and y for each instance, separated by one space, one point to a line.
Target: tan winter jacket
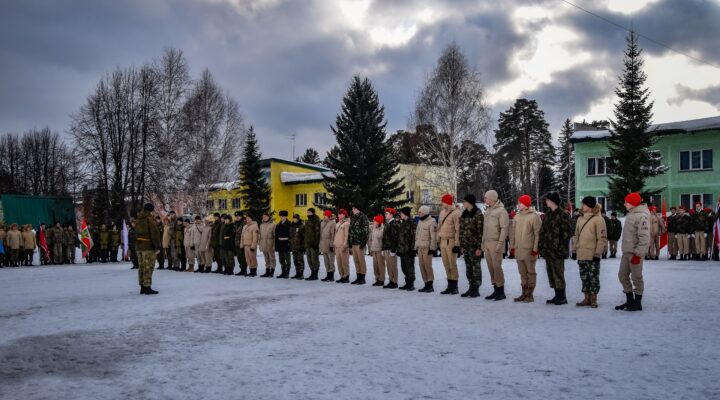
206 238
426 234
166 236
14 240
327 234
636 231
590 235
193 236
450 225
250 235
526 234
495 226
657 225
376 238
28 240
342 231
267 237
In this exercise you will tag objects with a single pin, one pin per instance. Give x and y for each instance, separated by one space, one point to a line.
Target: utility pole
292 137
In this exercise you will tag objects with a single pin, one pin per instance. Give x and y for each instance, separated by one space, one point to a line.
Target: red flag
42 242
664 236
85 240
717 225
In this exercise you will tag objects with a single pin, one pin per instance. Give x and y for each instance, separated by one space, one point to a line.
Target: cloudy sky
289 62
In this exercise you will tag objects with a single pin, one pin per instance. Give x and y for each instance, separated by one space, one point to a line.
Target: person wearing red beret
389 246
340 245
449 237
327 234
375 243
524 243
635 245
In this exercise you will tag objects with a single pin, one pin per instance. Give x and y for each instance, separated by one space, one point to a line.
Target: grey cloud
710 95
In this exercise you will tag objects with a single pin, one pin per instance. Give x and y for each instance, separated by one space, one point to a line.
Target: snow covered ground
83 332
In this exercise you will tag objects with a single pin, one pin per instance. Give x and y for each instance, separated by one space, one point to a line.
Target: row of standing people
20 242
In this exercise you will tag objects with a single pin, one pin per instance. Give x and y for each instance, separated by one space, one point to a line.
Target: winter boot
299 274
313 275
529 295
343 280
410 286
357 280
253 272
451 287
673 257
585 302
148 290
329 277
593 300
378 283
561 298
500 294
470 290
554 299
474 291
522 296
391 285
428 288
493 294
629 299
637 304
362 279
266 274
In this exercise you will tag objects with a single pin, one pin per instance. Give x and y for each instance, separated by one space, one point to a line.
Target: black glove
596 259
192 248
431 253
332 249
414 253
456 249
394 251
252 250
574 256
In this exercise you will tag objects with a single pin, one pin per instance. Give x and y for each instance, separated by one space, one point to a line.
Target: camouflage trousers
556 272
146 259
313 259
407 264
472 267
299 261
590 276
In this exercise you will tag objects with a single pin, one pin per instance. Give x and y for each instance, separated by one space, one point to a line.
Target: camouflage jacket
179 235
471 229
311 233
131 237
114 239
297 236
359 230
555 234
700 221
71 238
614 229
104 239
238 226
406 238
390 236
147 234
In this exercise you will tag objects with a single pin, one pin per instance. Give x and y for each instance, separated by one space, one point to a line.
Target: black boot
410 286
451 287
500 294
428 288
299 274
362 279
391 285
561 298
313 276
149 290
242 272
329 277
266 274
356 281
629 300
378 283
493 294
343 280
636 305
253 272
270 272
554 299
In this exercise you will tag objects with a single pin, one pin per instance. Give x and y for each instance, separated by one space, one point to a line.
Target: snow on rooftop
224 185
294 177
688 126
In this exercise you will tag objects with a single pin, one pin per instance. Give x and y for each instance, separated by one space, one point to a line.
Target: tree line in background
153 131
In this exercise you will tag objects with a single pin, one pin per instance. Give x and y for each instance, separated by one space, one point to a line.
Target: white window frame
301 200
690 166
595 161
319 198
692 201
236 203
210 204
222 204
602 200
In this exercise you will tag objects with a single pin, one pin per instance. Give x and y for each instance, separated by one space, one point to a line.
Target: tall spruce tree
566 164
255 189
501 180
364 165
631 159
310 156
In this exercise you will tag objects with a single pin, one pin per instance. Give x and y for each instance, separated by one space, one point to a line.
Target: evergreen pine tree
501 180
255 189
310 156
364 165
631 159
566 157
545 184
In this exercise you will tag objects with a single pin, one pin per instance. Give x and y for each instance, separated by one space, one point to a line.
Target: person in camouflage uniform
357 240
216 242
406 248
161 254
55 241
282 244
71 243
614 231
555 233
699 226
471 230
173 260
180 226
683 224
239 250
147 243
104 236
227 245
297 246
312 243
589 241
114 243
390 243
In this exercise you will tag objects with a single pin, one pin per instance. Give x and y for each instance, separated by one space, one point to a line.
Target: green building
687 148
35 210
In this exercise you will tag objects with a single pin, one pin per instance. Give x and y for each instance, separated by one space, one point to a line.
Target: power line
641 35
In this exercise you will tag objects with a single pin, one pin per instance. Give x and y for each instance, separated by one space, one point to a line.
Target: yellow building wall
426 183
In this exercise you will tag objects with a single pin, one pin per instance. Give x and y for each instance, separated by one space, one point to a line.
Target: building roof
266 163
669 128
300 177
